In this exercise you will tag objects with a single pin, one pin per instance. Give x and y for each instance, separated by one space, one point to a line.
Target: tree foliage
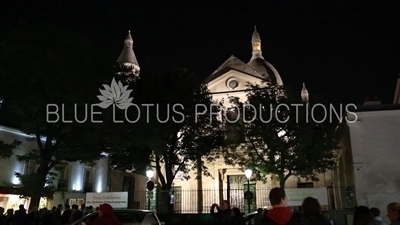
42 64
181 128
295 140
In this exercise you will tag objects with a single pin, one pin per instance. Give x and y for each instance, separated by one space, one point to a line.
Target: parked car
125 216
250 216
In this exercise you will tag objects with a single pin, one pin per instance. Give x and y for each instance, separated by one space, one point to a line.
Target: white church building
229 182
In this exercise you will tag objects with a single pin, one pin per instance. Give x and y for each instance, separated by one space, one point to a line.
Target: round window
233 84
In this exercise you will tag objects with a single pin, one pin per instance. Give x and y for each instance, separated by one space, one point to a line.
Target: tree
42 64
281 140
182 129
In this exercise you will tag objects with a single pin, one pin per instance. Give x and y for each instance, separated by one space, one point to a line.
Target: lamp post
150 186
248 194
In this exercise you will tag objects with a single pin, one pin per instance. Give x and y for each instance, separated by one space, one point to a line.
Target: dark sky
343 51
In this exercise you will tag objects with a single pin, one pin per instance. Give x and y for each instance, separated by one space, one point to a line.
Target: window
29 168
130 217
232 83
88 176
62 174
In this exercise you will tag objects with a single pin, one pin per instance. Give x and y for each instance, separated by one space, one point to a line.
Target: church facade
229 182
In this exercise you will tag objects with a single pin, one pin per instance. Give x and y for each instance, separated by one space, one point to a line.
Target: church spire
127 56
256 43
304 93
256 40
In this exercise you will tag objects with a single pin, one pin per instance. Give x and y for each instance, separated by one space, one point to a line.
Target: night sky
342 51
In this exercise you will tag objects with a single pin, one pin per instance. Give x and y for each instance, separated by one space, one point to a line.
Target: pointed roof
127 55
304 93
256 36
233 63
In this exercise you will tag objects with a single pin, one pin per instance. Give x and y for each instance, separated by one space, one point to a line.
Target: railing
188 201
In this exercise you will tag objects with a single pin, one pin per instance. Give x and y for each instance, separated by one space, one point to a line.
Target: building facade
370 156
229 182
72 182
76 179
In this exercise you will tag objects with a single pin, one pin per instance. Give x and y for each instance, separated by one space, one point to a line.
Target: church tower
304 93
256 43
127 59
259 64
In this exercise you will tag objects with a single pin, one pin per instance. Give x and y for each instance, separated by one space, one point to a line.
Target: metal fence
200 201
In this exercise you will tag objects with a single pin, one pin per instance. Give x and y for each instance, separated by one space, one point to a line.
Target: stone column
101 175
76 176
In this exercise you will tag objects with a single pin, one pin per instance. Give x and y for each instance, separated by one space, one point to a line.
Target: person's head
21 207
1 210
67 206
10 212
59 207
106 209
393 211
277 197
235 212
74 208
363 216
225 205
311 207
83 206
376 211
259 210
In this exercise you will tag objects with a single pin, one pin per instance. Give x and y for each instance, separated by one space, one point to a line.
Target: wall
11 165
344 173
375 146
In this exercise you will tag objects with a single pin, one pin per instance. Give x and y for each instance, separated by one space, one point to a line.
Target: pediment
233 63
222 82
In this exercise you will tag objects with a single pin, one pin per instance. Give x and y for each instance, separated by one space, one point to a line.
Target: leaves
281 140
61 68
6 149
176 134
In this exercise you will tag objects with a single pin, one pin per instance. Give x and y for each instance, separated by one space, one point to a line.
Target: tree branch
255 150
37 135
179 167
288 175
158 169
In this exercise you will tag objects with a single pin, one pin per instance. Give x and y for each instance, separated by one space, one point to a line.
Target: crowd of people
311 213
56 216
280 214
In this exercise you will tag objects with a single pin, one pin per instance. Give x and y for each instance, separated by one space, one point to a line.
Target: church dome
266 69
259 64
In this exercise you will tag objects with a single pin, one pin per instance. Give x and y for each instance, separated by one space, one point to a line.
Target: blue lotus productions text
175 113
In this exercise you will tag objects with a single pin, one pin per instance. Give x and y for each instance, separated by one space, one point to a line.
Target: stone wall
376 155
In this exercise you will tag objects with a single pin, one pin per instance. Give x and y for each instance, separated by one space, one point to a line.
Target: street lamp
149 173
150 186
248 194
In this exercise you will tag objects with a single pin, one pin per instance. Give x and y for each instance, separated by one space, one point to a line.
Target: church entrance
237 186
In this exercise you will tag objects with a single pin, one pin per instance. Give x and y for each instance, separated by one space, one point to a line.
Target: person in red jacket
106 216
280 214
